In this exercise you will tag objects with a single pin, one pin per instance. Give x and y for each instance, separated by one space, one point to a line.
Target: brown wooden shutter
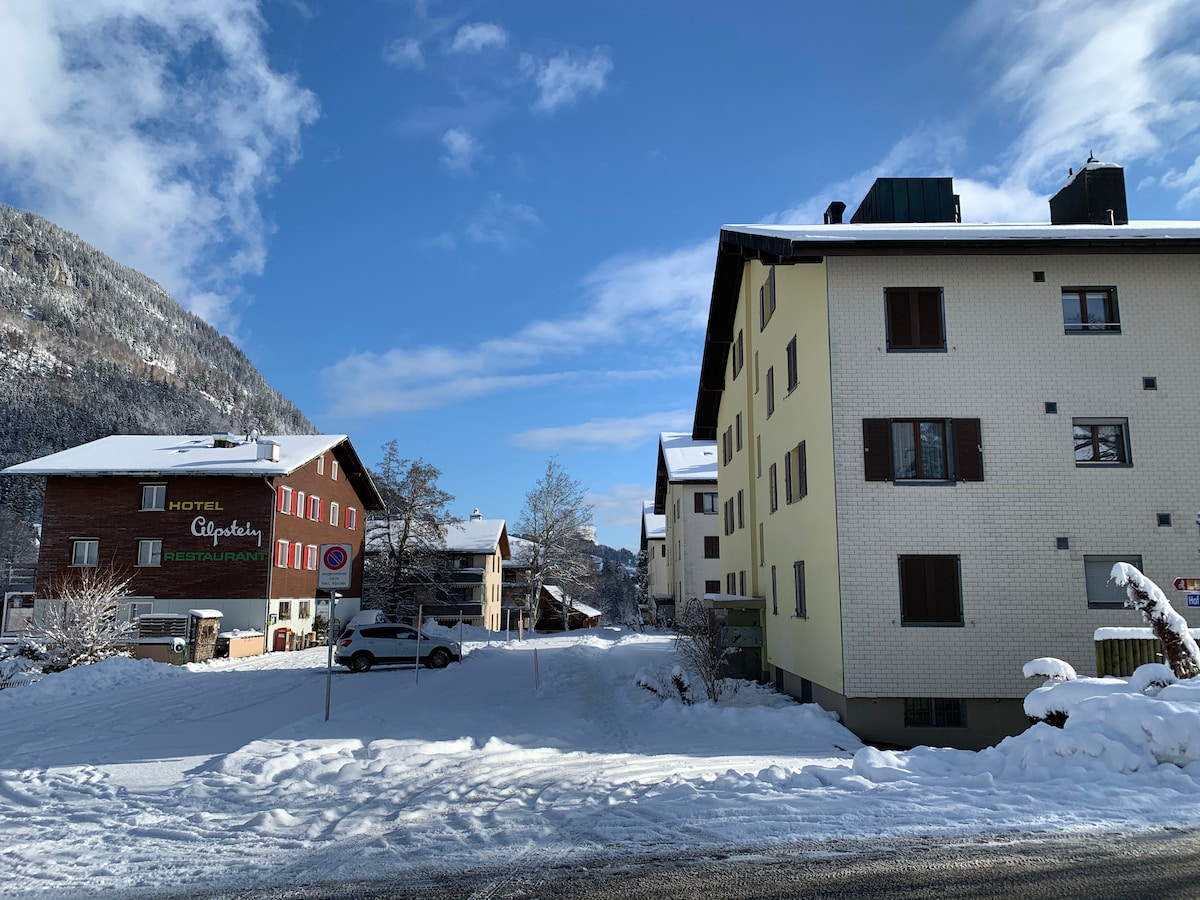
877 449
946 606
929 319
899 318
803 454
968 449
699 501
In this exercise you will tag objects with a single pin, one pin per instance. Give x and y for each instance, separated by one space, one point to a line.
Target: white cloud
600 434
501 224
108 129
461 151
563 79
620 506
655 302
404 53
476 36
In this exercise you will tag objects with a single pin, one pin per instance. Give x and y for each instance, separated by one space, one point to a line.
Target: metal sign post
333 599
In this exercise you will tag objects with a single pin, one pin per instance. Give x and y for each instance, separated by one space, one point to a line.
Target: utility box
1095 195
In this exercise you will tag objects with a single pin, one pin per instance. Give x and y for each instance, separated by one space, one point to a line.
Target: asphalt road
1098 867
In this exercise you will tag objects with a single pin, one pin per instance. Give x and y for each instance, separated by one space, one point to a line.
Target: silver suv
364 646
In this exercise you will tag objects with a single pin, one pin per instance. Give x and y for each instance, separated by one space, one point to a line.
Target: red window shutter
968 449
279 499
320 517
877 449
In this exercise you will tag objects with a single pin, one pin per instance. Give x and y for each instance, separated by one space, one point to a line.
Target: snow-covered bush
22 663
80 626
666 686
1050 668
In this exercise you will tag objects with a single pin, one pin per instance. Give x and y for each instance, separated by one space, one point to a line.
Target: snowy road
135 777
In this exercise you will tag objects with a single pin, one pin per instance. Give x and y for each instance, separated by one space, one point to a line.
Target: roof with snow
681 458
791 244
478 536
205 454
563 597
654 526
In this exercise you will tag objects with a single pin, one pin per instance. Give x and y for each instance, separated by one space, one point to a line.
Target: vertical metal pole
417 668
460 641
536 677
333 599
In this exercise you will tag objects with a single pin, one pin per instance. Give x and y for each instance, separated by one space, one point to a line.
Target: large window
1102 593
706 502
712 587
929 591
922 450
795 468
766 300
149 553
351 518
282 551
914 319
314 508
712 547
801 596
284 502
85 552
935 712
1090 310
154 496
1101 441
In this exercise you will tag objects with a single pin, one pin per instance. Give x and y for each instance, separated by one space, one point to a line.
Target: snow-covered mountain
89 347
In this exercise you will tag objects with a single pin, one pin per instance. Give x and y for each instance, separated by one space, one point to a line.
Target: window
756 371
914 319
774 593
766 300
795 466
770 390
305 609
758 456
321 464
1103 442
1090 310
773 488
149 553
333 470
929 590
139 608
922 450
712 547
712 587
706 502
334 513
154 496
801 596
727 446
285 609
741 583
935 712
762 545
731 583
737 425
663 554
741 509
310 556
301 505
728 509
284 502
1102 593
85 553
351 518
281 553
739 357
793 368
314 508
297 556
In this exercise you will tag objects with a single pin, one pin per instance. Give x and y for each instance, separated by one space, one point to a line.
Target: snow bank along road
132 777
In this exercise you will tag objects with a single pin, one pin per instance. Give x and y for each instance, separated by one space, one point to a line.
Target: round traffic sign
336 558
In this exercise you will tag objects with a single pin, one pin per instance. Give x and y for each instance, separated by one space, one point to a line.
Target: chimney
476 516
268 450
1095 195
833 213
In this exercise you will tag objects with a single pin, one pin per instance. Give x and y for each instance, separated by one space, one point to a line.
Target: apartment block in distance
942 435
654 548
685 492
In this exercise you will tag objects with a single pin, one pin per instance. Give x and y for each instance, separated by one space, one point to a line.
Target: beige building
654 546
685 493
938 437
477 549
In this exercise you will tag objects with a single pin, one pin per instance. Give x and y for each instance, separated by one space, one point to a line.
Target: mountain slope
89 347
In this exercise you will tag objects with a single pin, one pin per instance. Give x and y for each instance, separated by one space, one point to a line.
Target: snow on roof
958 231
563 597
474 535
206 613
178 454
655 526
687 459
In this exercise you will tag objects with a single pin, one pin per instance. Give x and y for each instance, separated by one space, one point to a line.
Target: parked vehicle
364 646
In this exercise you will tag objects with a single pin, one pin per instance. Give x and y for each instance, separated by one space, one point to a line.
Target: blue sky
487 229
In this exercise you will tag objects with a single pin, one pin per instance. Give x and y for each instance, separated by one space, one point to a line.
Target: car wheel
360 662
438 659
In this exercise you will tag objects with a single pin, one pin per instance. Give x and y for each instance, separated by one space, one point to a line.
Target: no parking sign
335 569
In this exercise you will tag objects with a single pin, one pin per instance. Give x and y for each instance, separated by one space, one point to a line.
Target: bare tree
703 649
405 539
556 521
78 624
1171 629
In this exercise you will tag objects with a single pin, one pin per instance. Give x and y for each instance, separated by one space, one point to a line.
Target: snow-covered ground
134 777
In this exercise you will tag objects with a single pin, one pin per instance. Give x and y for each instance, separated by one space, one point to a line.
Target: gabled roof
160 455
478 536
561 596
681 458
799 244
654 526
